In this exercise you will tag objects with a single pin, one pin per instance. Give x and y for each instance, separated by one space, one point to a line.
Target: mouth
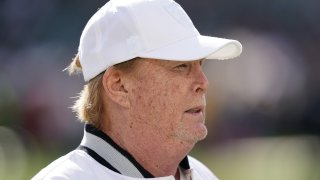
196 110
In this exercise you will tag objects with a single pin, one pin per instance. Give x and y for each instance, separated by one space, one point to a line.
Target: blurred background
263 111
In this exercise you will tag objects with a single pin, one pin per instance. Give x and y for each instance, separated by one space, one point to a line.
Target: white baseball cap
159 29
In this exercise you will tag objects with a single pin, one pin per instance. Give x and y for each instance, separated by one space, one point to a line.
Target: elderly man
144 103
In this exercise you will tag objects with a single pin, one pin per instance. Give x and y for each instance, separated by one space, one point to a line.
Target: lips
195 110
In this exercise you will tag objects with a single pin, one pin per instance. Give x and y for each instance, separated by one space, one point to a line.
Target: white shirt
98 157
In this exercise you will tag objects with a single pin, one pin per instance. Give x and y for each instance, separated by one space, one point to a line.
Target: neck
158 154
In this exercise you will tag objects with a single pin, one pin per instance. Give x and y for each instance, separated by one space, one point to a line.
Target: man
144 104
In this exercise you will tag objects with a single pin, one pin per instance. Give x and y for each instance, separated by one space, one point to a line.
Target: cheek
159 101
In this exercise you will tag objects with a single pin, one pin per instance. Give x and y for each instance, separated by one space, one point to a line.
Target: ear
115 87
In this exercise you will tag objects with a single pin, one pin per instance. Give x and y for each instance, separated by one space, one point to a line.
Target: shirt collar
105 151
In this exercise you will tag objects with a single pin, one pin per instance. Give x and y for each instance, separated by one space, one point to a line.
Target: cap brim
199 47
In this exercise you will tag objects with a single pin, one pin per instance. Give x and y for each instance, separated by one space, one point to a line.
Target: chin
201 133
194 134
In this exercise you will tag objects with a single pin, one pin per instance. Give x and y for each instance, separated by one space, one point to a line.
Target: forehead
160 62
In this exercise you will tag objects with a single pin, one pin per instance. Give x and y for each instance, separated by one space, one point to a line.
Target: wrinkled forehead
167 62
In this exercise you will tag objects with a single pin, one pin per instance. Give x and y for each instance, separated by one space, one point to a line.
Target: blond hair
89 105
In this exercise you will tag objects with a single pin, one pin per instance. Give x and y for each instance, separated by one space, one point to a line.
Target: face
168 98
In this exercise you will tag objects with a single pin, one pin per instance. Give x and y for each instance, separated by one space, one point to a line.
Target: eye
182 67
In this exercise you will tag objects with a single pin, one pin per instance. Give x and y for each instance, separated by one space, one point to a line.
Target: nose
201 82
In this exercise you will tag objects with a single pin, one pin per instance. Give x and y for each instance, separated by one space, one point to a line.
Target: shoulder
74 165
200 170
